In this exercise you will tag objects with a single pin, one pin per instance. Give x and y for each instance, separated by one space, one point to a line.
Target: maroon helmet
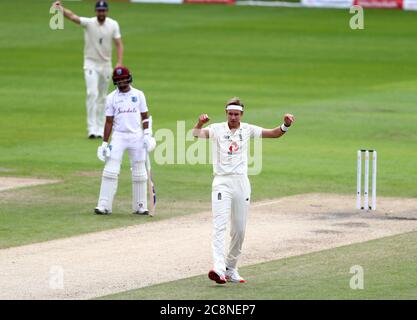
121 74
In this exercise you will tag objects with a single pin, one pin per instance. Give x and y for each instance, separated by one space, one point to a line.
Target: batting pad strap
112 169
234 107
146 120
110 174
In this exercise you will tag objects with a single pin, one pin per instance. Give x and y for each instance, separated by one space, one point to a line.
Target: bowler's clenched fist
288 119
204 118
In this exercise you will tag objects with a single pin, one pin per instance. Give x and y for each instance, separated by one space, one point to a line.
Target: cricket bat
151 186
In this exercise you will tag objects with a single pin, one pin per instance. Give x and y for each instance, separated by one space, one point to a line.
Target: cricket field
349 89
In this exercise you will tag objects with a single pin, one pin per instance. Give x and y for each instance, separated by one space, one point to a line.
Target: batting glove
103 151
149 142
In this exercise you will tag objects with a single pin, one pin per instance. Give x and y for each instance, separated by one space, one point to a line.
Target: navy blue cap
102 5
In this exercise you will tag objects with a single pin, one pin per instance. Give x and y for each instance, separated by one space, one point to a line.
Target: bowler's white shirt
230 150
98 41
126 108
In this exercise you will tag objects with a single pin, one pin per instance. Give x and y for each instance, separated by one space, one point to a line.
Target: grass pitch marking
7 183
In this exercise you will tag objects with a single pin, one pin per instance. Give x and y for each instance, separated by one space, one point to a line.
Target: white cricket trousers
230 200
97 82
133 143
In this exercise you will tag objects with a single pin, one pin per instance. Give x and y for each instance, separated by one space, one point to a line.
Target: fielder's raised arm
67 13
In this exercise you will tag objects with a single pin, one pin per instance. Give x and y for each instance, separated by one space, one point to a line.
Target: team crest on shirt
234 147
134 99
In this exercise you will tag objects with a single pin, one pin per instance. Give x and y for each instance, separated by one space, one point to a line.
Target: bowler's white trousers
97 83
230 201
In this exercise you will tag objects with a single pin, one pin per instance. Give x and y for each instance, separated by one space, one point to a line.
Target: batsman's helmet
121 74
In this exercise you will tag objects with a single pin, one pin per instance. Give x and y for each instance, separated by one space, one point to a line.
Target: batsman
231 190
129 123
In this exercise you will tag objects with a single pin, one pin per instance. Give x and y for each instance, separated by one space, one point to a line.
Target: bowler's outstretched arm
279 131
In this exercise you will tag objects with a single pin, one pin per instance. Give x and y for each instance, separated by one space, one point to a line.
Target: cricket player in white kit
99 33
231 188
128 121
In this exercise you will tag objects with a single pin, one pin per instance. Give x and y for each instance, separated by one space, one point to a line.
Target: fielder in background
128 122
231 188
99 32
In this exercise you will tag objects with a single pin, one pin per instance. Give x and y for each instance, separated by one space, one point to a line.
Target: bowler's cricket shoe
217 277
91 136
102 211
233 276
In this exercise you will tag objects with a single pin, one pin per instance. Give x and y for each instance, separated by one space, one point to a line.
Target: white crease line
266 203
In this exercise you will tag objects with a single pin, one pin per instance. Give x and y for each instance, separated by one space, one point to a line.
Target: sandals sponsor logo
128 110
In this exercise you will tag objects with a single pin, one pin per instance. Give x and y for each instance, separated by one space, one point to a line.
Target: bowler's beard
101 19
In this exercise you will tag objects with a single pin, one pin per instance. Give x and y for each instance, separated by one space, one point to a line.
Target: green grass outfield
389 272
349 89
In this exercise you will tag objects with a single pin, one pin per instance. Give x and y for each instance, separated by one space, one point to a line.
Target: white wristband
284 127
104 144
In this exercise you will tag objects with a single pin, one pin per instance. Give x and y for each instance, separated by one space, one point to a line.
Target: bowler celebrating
99 32
127 118
231 188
